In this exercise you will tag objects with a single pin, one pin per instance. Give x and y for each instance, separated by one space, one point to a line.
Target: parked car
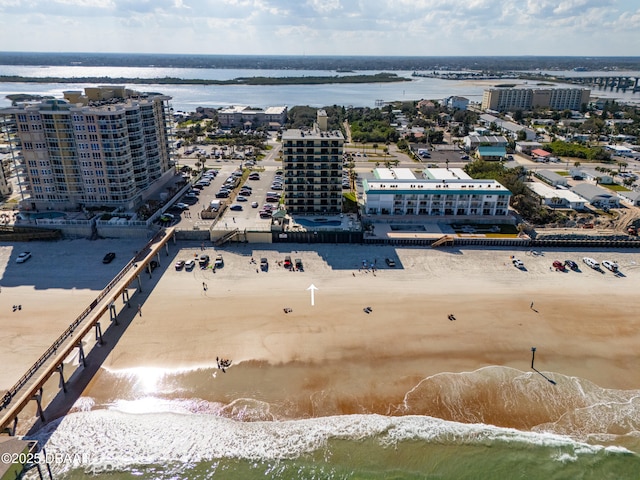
181 206
189 264
203 260
264 264
558 265
265 214
108 258
571 264
180 264
254 204
464 157
298 264
287 262
517 263
390 262
23 257
222 194
235 207
610 265
254 176
241 198
219 263
591 263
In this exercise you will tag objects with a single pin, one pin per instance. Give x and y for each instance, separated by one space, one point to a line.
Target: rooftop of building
546 191
311 134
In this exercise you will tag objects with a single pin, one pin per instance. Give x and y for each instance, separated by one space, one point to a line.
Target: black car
108 258
571 264
222 194
390 262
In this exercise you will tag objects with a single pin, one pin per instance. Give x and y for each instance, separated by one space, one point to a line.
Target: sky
324 27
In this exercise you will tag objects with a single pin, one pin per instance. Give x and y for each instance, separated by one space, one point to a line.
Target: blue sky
324 27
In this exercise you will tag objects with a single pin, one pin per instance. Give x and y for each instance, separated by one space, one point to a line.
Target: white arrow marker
313 288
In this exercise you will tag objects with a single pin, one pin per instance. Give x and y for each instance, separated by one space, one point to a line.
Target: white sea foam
115 439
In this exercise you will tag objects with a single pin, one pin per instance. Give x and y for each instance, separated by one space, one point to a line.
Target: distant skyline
324 27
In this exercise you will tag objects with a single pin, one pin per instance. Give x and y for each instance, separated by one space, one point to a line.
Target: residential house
556 198
597 196
552 178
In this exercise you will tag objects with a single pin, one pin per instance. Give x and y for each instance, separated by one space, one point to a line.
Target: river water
188 97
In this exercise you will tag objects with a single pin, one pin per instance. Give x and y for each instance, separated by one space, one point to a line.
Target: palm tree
577 164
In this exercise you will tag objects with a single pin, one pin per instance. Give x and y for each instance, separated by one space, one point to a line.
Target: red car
558 265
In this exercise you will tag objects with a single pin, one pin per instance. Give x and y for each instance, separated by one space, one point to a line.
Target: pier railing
52 350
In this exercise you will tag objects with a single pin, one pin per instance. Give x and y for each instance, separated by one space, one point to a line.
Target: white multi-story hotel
103 148
441 192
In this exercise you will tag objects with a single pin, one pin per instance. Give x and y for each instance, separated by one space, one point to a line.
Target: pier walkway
31 384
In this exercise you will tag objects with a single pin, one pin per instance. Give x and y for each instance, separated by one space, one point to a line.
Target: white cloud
402 27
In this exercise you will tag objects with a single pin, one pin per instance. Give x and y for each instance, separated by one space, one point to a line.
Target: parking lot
245 216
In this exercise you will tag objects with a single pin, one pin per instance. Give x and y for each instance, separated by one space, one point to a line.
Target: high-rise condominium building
103 148
313 169
509 99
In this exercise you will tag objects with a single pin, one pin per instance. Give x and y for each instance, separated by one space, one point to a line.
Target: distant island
310 80
321 62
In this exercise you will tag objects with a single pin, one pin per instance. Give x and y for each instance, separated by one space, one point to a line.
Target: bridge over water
31 384
618 82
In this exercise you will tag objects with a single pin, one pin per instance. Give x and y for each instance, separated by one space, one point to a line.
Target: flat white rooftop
546 191
446 174
394 174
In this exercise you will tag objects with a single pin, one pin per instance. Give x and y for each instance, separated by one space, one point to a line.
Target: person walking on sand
531 306
139 309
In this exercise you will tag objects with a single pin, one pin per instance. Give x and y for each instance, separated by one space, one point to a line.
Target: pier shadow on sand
63 402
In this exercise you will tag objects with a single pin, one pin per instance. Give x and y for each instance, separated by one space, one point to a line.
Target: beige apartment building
105 147
313 169
509 99
247 118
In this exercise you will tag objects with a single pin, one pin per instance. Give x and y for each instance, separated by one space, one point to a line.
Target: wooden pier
31 384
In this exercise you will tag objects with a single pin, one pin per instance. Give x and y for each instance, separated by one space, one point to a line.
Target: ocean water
494 423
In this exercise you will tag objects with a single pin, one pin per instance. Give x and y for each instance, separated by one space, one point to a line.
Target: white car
517 263
591 263
611 266
23 257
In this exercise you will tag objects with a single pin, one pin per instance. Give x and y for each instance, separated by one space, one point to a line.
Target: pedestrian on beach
531 306
139 309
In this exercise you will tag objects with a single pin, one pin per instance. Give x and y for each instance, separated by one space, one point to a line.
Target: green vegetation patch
615 187
566 149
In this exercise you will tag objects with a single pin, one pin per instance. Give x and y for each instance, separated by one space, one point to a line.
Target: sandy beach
335 362
582 324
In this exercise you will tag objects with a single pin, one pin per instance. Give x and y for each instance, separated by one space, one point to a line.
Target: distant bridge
31 384
618 82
